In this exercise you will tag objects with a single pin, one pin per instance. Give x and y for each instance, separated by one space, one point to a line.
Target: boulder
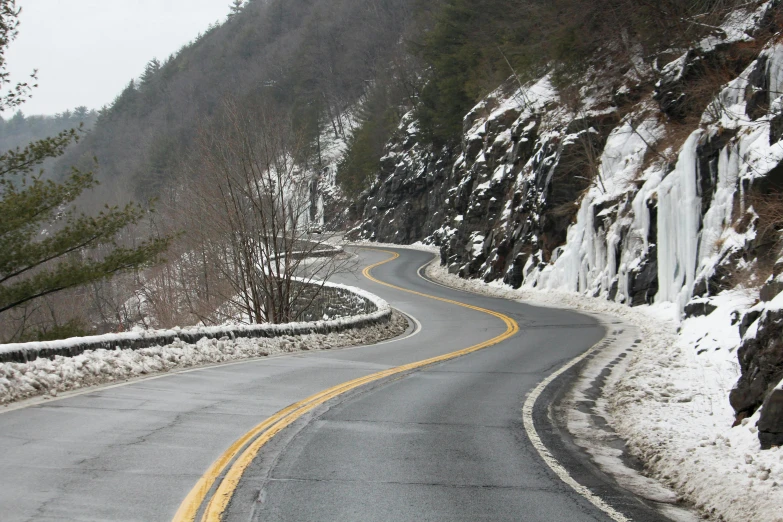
643 280
774 285
761 361
699 307
770 423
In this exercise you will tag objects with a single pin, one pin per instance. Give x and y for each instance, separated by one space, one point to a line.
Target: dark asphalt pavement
442 443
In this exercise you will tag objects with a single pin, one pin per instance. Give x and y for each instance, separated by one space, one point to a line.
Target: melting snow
671 404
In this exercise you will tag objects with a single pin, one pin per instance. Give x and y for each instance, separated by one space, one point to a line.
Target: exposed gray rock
761 361
643 280
747 320
670 89
776 128
501 203
722 275
699 307
774 285
407 202
770 423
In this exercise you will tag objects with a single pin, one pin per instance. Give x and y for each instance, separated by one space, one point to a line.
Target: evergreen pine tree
46 245
80 113
236 7
152 68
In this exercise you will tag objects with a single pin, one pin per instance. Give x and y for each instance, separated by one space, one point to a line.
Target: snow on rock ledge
761 360
613 197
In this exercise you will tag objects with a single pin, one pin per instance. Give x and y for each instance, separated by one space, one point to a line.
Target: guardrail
376 311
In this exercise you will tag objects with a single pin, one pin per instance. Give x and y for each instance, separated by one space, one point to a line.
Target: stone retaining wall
376 311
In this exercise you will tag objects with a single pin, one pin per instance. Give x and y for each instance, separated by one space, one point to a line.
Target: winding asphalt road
445 442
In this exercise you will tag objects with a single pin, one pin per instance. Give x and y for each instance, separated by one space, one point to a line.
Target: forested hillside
348 70
310 59
269 98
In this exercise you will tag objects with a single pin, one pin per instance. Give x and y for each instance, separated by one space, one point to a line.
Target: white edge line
527 420
546 456
417 328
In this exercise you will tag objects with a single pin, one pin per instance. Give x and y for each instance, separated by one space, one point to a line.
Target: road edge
539 409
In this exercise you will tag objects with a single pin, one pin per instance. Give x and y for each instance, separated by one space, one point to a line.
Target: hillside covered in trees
310 59
351 69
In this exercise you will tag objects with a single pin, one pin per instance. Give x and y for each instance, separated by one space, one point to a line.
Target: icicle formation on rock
650 224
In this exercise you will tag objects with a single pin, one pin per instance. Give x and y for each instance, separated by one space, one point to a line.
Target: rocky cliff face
761 360
641 190
410 197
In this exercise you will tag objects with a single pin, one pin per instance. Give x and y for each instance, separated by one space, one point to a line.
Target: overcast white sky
86 51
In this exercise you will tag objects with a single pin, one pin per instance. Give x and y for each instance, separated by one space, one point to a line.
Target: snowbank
24 352
93 367
671 405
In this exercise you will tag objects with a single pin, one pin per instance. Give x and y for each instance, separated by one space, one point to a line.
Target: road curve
444 442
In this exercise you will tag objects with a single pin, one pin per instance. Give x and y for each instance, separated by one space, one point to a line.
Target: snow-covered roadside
140 338
671 405
50 377
586 408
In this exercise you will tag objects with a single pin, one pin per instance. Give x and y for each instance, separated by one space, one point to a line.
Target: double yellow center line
241 453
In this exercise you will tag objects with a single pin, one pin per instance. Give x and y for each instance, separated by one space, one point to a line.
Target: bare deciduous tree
251 215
